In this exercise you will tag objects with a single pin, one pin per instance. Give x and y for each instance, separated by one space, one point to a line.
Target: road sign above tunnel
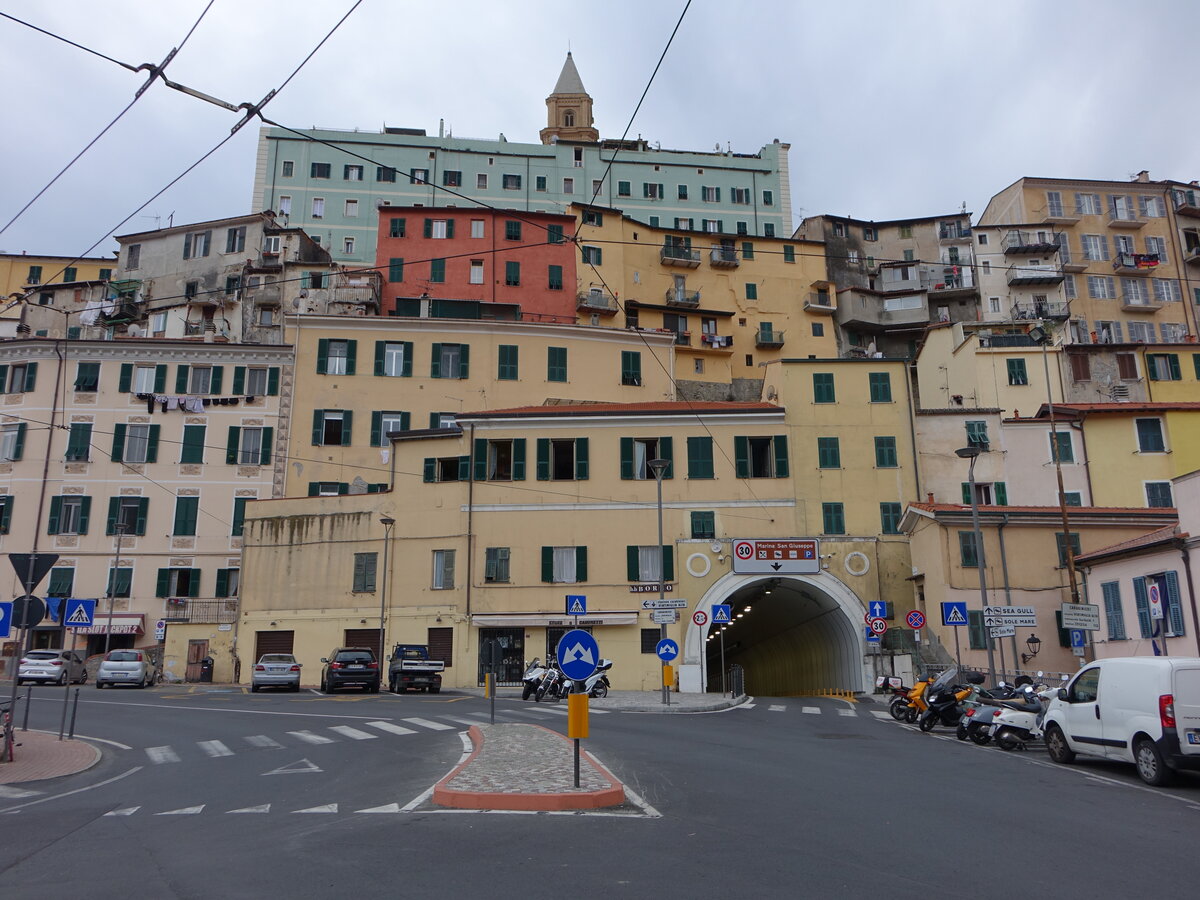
791 556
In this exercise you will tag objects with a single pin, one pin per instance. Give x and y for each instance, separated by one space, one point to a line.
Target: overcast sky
893 109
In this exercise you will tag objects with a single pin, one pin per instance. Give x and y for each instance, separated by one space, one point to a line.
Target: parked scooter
944 698
532 678
596 684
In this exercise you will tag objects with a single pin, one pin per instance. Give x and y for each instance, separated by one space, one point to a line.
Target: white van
1144 710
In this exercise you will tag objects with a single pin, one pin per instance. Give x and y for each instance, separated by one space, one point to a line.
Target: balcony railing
1028 242
724 257
1047 274
768 339
679 255
596 301
1125 218
202 612
675 297
1048 309
1135 263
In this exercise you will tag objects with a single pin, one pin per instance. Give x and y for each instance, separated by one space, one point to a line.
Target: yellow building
499 517
732 302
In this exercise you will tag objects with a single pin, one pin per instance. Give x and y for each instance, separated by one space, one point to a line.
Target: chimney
1142 176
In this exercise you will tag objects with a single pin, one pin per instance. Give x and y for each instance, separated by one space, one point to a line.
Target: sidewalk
636 701
42 755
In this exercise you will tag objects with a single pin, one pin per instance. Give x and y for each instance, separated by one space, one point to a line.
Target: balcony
1044 274
1138 303
680 297
724 258
1047 309
1135 263
1187 203
1124 218
954 233
202 612
1056 214
679 255
768 339
1028 242
596 301
820 303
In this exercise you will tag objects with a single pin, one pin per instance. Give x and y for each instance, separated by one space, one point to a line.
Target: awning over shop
549 620
122 623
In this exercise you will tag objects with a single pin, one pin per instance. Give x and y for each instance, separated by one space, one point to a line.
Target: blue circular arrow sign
667 650
577 654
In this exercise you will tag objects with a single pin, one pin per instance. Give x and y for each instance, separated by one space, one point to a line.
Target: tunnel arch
803 634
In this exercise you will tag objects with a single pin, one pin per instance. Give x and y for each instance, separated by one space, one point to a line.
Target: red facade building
505 257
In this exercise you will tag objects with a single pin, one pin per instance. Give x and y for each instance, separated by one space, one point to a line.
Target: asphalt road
233 795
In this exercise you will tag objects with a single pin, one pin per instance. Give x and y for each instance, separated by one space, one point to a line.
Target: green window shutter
160 379
125 380
231 445
273 381
581 572
548 564
632 569
266 453
85 513
430 470
543 459
464 360
666 450
55 514
481 454
406 368
222 583
193 444
741 456
668 563
164 583
181 379
626 458
322 356
1001 491
781 455
239 380
318 429
435 362
142 512
377 429
347 424
518 459
581 459
118 442
380 351
396 269
966 493
700 457
152 443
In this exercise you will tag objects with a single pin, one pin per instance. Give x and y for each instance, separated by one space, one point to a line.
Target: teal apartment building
334 194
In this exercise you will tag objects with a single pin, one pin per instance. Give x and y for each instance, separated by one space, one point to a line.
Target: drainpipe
1007 586
1181 545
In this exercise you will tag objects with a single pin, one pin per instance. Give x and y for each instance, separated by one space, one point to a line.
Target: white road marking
264 808
353 733
127 811
13 793
327 808
159 755
311 738
389 808
847 712
185 811
261 740
811 710
776 707
214 748
393 729
432 726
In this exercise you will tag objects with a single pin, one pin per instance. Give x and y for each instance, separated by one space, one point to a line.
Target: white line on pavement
310 737
353 733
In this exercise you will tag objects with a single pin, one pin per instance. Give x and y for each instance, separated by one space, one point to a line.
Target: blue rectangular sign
954 613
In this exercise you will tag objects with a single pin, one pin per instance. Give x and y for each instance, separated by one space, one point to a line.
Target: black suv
350 666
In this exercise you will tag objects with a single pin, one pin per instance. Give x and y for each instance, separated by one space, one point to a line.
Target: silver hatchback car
126 667
52 667
276 670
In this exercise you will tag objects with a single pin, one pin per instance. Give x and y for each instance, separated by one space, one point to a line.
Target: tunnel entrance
790 636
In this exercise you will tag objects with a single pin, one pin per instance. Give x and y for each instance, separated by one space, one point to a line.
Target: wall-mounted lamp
1034 644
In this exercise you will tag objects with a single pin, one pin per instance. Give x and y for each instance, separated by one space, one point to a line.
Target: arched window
569 117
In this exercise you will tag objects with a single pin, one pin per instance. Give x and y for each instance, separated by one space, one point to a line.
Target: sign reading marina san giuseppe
789 556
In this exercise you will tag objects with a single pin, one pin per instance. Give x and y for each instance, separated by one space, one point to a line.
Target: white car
1144 710
52 667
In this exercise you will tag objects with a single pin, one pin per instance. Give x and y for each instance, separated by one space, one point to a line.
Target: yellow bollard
577 716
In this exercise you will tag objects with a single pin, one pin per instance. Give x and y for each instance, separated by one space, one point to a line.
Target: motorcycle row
547 681
1009 714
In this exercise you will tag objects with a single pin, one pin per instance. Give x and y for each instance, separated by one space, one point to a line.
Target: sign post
577 653
722 614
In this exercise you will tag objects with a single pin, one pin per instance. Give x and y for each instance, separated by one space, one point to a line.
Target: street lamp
972 453
659 468
387 522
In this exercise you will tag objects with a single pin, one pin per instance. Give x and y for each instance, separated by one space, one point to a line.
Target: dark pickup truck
410 668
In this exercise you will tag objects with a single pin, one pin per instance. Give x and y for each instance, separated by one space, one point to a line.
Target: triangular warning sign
955 617
79 616
576 608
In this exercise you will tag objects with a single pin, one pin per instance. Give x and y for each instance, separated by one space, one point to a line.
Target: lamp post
387 522
659 468
972 453
112 587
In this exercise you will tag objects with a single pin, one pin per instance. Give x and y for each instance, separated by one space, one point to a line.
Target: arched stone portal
802 634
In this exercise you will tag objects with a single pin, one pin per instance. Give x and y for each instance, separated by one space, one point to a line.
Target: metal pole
112 587
980 562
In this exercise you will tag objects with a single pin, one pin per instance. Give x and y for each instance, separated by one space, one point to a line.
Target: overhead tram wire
251 111
155 73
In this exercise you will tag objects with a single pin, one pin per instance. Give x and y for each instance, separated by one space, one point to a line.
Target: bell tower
569 109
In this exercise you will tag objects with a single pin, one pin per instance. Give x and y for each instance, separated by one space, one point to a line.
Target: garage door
363 637
273 642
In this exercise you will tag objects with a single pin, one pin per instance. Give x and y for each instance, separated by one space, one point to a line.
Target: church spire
569 109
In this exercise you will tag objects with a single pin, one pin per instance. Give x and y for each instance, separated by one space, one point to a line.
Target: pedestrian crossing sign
79 613
954 612
576 605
